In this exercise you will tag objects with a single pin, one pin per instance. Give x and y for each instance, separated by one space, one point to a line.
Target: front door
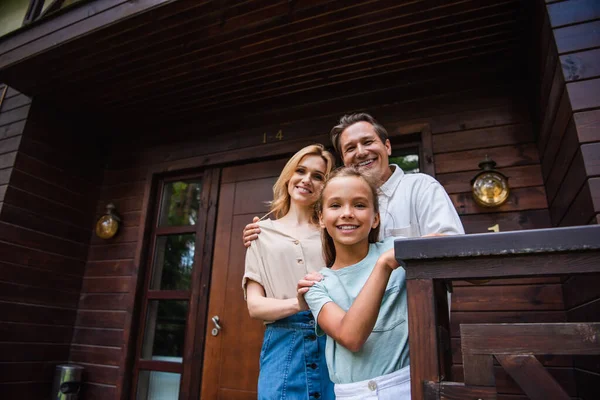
231 353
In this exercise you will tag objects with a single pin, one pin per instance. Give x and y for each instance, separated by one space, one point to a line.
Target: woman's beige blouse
277 261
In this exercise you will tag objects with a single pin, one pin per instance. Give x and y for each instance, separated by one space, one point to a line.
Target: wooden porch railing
433 263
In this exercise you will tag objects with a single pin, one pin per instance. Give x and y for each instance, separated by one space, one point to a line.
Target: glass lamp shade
108 224
490 189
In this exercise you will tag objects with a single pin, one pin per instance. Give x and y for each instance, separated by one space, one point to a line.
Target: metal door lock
215 331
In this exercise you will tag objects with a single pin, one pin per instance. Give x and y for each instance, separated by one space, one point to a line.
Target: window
168 308
412 149
406 158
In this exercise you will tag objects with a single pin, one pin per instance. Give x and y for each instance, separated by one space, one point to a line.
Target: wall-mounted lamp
490 187
108 224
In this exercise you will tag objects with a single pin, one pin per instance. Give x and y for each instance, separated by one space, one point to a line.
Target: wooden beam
422 338
457 391
542 338
532 377
479 369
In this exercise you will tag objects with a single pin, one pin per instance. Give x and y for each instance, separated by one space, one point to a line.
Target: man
411 205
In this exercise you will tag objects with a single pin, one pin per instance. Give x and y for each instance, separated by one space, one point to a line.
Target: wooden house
181 113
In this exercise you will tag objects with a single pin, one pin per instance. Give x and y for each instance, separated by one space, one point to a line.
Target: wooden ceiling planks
191 57
336 57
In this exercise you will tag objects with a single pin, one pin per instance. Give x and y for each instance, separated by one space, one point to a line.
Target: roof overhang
176 59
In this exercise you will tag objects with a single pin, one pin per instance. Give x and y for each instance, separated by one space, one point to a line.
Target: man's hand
434 235
251 232
303 285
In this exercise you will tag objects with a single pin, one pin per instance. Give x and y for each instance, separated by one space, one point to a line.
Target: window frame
415 136
196 296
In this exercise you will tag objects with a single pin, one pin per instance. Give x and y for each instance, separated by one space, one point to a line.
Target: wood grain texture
457 391
422 335
506 156
559 166
508 298
585 205
529 198
581 65
547 115
503 267
577 37
587 124
459 318
541 338
584 94
519 177
581 289
507 221
532 377
573 12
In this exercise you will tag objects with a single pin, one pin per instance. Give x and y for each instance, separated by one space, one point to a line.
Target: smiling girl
292 360
361 302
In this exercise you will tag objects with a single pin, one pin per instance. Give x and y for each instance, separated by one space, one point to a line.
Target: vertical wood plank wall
45 223
569 146
490 120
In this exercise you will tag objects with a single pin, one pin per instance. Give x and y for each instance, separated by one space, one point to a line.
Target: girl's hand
303 286
388 259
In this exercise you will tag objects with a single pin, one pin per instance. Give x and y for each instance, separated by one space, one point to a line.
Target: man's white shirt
413 205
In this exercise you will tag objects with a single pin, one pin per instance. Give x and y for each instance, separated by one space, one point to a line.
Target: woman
292 360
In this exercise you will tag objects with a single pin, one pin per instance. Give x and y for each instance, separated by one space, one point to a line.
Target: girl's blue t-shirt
386 349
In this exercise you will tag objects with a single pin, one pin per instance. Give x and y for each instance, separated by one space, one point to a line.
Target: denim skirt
292 361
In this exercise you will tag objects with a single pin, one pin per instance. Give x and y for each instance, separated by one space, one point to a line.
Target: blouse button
296 241
300 261
372 385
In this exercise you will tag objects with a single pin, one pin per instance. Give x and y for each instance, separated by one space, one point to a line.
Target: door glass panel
164 331
173 262
180 203
156 385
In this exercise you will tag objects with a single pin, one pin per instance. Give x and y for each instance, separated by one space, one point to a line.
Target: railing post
426 351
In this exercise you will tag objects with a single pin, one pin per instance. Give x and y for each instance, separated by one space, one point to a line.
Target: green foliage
409 163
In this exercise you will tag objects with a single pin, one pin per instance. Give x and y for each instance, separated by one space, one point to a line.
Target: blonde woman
292 359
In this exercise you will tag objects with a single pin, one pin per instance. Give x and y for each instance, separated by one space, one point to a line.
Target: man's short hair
351 119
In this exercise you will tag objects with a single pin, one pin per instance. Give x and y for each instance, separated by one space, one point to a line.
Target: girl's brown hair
281 198
326 239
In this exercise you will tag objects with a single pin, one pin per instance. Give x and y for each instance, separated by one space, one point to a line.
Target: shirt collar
392 183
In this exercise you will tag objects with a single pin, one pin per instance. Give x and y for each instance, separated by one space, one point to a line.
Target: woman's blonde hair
326 240
281 198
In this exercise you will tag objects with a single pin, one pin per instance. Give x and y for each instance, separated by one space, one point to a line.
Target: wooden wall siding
458 120
568 120
45 223
570 150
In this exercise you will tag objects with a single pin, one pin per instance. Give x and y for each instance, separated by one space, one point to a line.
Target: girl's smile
348 212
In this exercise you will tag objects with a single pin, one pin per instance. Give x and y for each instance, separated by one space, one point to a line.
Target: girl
292 359
361 302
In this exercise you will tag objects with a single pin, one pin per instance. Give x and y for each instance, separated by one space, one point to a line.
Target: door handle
215 331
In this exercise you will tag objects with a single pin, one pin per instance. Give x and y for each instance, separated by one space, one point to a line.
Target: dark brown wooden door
230 369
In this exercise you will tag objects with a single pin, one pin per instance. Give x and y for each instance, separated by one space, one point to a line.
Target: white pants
394 386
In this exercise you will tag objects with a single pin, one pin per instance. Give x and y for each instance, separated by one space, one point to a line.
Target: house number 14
278 136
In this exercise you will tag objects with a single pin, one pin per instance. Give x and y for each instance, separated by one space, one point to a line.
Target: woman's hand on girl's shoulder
388 259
